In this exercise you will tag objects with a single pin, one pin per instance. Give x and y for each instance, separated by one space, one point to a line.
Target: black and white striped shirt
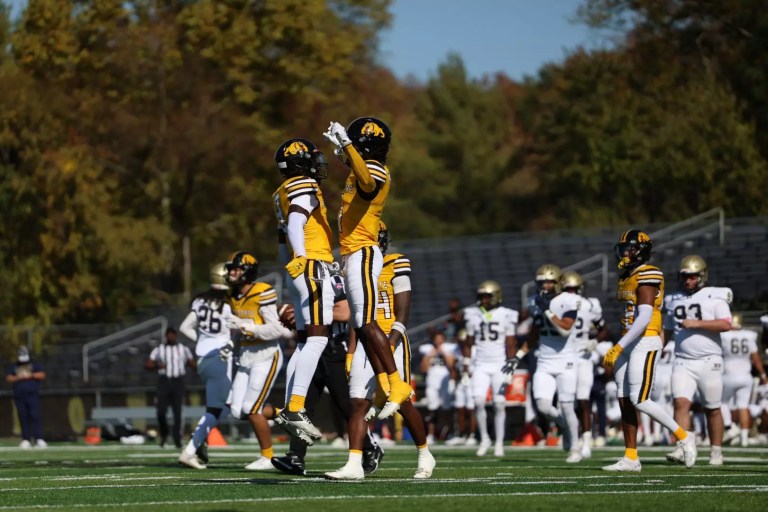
174 357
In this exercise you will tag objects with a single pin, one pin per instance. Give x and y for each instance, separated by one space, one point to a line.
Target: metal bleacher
736 251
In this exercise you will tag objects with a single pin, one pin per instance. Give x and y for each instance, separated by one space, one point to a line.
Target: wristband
399 327
520 354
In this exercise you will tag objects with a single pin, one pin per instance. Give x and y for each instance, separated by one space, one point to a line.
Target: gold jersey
627 295
249 305
395 265
360 213
317 232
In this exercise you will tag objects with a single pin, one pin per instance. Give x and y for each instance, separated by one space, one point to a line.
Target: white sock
658 413
499 421
713 450
355 459
306 364
423 452
586 437
568 413
482 420
290 371
744 434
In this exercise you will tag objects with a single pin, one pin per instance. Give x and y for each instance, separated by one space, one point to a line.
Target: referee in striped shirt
170 359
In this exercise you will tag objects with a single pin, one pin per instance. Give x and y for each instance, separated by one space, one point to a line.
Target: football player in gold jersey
302 220
394 305
260 359
364 146
634 357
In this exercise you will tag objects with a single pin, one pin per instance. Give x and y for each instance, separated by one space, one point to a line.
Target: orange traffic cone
215 438
92 435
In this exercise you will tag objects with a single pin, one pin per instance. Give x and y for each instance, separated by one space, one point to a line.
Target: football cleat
498 450
689 450
297 424
25 445
399 393
190 460
676 455
715 458
202 453
260 464
485 445
586 451
574 457
348 472
290 464
372 459
456 441
471 441
42 444
625 464
426 466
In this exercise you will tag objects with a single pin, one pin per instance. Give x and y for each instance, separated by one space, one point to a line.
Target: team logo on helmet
295 148
373 129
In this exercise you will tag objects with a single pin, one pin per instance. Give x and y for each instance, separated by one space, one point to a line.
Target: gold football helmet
219 275
546 273
736 322
491 288
693 265
571 279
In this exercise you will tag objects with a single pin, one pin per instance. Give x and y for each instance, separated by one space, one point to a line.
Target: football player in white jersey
553 322
588 320
740 353
207 324
463 402
491 330
695 317
437 359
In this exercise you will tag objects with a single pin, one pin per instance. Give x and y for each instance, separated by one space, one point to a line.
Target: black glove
511 365
542 301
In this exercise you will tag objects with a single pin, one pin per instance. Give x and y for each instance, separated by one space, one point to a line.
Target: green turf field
127 478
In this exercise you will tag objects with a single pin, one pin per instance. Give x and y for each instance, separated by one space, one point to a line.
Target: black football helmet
633 249
371 138
245 261
383 237
300 157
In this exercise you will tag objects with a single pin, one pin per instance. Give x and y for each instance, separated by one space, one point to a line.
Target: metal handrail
692 220
88 347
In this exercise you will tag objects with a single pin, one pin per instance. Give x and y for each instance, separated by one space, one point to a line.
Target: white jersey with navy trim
565 304
709 303
489 330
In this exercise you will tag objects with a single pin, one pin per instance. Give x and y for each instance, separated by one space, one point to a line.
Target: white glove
592 345
337 135
235 323
225 352
451 387
465 379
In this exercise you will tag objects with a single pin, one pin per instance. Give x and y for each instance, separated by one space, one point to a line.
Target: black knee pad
215 411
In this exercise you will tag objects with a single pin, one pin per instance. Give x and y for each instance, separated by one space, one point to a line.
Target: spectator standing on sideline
25 377
170 359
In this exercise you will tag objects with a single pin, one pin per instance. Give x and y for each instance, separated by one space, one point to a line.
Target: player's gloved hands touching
337 135
296 266
612 355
